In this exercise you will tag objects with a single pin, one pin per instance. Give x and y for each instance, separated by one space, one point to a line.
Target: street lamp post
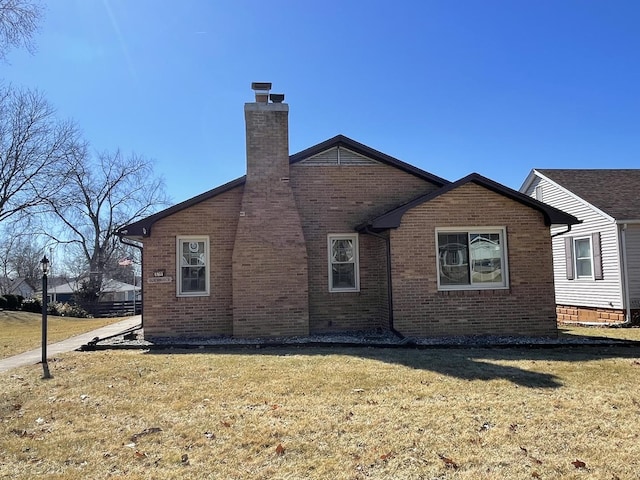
45 270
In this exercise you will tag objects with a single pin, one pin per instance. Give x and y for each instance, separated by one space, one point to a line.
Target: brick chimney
270 273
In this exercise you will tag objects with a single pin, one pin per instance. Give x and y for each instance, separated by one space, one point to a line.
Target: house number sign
160 280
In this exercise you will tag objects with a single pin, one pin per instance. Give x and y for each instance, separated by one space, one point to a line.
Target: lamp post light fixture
45 270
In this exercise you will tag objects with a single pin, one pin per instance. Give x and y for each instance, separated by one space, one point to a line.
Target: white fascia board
628 222
571 194
528 181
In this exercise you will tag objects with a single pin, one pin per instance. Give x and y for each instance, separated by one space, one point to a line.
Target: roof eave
142 228
551 215
342 141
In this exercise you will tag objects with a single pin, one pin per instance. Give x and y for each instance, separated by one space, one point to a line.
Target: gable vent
338 156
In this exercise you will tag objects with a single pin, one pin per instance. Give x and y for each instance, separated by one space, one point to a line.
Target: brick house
341 237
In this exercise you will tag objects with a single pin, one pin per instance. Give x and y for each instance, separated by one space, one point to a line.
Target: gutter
562 233
387 241
139 247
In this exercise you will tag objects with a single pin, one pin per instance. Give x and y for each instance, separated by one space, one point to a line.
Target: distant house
596 263
112 291
16 286
341 237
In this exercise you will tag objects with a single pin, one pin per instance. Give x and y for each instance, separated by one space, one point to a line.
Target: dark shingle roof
615 192
392 219
142 228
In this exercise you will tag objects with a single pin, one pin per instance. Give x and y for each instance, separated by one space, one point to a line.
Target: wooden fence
116 309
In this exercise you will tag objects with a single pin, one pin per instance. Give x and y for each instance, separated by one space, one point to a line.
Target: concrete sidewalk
34 356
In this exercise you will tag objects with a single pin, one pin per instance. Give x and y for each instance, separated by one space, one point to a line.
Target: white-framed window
472 258
583 257
192 266
344 275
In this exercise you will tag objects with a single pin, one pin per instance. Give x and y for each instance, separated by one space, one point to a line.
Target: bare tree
36 150
18 24
103 194
21 251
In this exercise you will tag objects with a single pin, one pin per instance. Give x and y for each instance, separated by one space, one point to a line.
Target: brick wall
334 199
573 314
527 307
270 275
165 314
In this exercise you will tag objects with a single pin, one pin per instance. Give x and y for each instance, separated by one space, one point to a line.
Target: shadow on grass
467 363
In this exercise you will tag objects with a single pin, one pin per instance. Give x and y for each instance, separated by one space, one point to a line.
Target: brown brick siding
270 280
358 193
165 314
334 199
573 314
270 275
527 307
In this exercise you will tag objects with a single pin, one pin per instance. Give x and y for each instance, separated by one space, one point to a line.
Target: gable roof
614 191
392 218
346 142
15 285
142 228
109 286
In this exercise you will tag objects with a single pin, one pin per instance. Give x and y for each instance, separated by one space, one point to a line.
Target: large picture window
193 266
343 263
472 258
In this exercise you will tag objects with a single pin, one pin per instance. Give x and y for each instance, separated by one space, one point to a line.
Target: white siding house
596 263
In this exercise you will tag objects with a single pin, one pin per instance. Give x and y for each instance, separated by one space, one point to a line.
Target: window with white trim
192 266
343 261
472 258
583 257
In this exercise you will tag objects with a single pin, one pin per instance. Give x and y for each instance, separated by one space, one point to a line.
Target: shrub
3 302
66 310
12 302
52 308
33 305
71 310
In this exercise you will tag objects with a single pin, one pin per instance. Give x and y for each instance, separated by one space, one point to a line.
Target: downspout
625 275
139 247
387 242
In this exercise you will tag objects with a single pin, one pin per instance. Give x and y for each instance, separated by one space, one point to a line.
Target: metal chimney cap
261 86
276 97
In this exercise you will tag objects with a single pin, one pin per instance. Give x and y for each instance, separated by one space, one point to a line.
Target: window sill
475 291
471 288
193 295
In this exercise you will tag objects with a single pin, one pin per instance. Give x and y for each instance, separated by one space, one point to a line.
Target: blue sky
451 86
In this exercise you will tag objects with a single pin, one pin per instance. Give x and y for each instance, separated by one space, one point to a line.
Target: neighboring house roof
142 228
117 286
108 286
15 286
392 218
616 192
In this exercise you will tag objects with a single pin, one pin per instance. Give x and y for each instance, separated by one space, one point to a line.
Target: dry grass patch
627 333
326 413
22 331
